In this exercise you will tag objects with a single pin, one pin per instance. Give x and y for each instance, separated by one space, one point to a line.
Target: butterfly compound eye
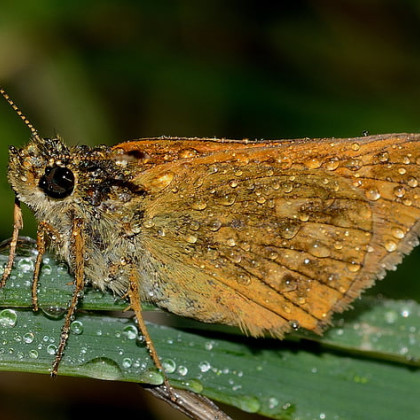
57 182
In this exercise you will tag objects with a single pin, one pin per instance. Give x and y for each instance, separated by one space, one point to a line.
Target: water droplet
301 300
412 182
199 205
406 160
286 308
135 227
8 318
191 239
236 257
76 327
28 338
319 250
182 370
304 217
152 377
244 279
313 163
383 157
231 242
148 223
288 283
131 332
208 345
353 267
332 164
168 365
227 200
233 183
194 385
187 153
198 182
402 171
249 404
399 191
354 164
51 349
397 233
289 231
33 354
294 324
62 268
103 368
46 269
194 225
372 194
215 225
390 246
25 265
287 187
53 312
273 402
355 147
246 246
140 340
127 363
342 289
204 366
407 202
213 169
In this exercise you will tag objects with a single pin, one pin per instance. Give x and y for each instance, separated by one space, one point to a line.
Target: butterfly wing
273 235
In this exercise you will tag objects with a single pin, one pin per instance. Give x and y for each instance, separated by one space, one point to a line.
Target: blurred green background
107 71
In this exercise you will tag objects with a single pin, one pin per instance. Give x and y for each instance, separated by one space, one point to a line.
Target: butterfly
268 236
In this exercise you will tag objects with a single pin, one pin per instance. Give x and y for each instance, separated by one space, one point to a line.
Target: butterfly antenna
20 113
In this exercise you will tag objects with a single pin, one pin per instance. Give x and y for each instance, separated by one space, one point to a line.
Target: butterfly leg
78 252
135 304
43 229
17 226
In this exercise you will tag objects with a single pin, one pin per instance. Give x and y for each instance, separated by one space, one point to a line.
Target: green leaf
364 368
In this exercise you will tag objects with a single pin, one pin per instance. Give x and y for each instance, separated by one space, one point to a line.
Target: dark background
103 72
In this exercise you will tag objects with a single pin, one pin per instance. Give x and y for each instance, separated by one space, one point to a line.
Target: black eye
57 182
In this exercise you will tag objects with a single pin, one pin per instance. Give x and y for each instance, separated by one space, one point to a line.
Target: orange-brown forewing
272 235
